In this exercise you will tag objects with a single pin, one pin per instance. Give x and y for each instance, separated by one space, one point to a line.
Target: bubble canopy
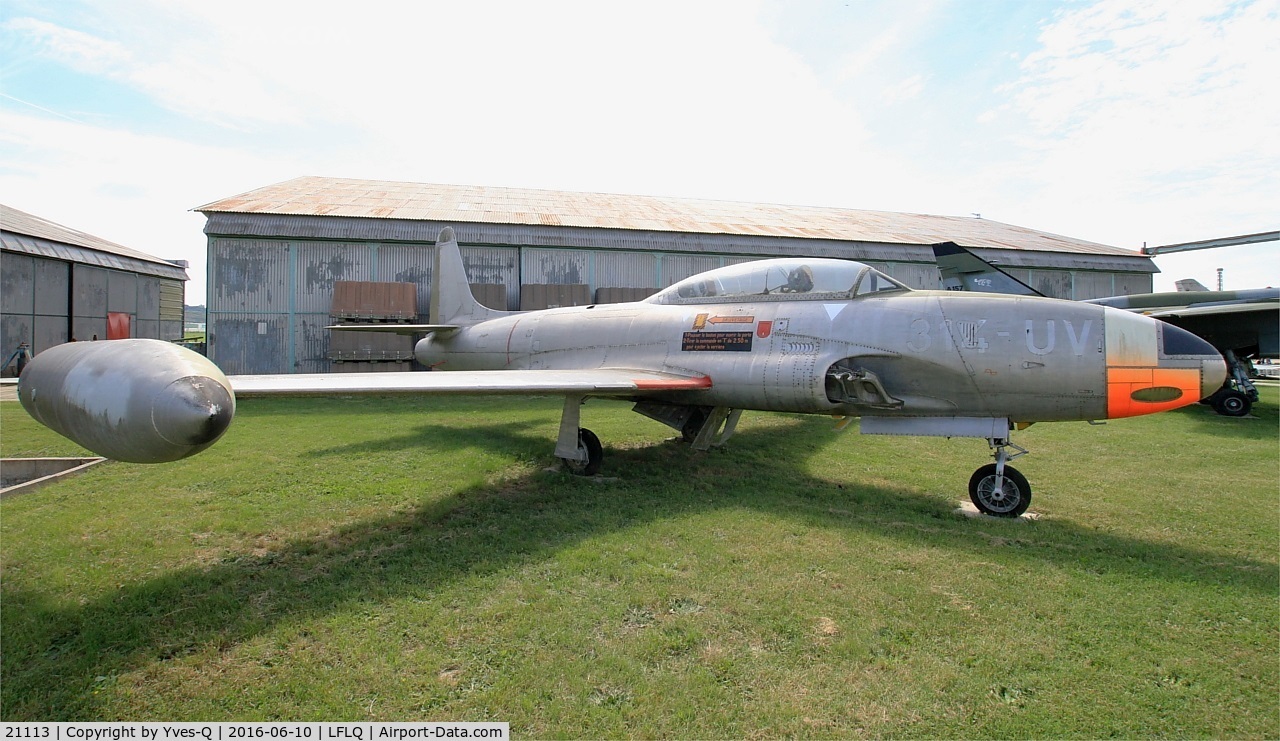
789 279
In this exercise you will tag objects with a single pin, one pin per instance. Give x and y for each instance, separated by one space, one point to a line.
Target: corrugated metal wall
17 303
405 263
318 266
676 268
913 275
249 326
169 299
627 270
41 297
543 266
493 264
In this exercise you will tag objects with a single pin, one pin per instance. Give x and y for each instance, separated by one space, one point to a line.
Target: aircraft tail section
1190 284
452 302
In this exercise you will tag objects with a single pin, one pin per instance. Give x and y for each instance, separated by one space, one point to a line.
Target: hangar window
792 279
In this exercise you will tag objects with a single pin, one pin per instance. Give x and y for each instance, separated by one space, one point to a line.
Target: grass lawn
414 559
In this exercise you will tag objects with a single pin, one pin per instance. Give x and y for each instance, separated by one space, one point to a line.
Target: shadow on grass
54 655
440 437
1262 422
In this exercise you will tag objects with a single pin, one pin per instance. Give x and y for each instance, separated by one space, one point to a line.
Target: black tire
595 454
692 426
1015 496
1232 404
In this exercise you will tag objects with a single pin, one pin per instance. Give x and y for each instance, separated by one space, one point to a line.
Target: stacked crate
369 302
623 295
551 296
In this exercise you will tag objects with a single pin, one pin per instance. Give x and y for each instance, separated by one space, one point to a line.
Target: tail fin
451 299
1190 284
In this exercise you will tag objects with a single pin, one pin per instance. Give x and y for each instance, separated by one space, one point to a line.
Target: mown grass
401 559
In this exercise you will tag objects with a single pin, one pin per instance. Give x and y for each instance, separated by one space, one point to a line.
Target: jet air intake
139 401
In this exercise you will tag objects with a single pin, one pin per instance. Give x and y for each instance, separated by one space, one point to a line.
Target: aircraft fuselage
917 353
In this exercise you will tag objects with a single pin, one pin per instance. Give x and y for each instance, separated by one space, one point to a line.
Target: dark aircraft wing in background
961 270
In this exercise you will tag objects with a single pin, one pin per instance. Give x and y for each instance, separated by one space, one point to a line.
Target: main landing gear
702 427
998 489
578 447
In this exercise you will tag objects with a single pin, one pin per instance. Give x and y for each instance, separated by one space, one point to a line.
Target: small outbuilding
59 284
279 255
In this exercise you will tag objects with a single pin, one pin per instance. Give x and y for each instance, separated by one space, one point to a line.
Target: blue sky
1122 122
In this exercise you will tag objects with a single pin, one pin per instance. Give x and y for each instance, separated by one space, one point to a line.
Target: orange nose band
1135 391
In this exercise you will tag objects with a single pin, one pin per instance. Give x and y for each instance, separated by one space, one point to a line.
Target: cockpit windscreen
792 279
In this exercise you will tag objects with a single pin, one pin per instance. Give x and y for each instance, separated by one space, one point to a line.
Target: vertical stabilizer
451 299
1190 284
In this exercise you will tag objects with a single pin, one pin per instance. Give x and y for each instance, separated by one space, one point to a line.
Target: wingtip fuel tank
139 401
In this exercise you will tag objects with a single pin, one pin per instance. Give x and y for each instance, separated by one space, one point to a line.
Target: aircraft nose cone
1179 343
1213 373
193 411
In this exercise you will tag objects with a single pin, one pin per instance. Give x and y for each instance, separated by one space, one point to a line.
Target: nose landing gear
998 489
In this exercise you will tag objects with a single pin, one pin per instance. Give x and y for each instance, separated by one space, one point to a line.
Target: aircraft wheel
587 441
1014 498
692 426
1232 404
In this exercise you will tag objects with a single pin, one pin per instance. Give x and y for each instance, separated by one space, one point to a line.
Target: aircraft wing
595 382
1212 310
961 270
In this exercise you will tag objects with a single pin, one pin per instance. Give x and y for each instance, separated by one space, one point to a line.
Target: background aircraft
1240 324
811 336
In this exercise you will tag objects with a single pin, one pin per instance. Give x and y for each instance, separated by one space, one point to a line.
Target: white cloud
1150 121
131 189
184 75
669 97
80 51
1132 121
906 89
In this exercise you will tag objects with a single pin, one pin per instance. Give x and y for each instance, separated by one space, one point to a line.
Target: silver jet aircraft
812 336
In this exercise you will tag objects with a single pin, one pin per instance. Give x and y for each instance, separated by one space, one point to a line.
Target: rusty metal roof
23 232
321 196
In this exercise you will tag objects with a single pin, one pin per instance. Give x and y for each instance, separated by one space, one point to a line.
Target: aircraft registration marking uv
1041 335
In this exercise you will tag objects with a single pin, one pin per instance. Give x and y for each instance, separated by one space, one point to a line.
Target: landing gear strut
1236 397
578 447
998 489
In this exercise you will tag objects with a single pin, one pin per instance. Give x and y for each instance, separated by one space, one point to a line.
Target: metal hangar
284 260
59 284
